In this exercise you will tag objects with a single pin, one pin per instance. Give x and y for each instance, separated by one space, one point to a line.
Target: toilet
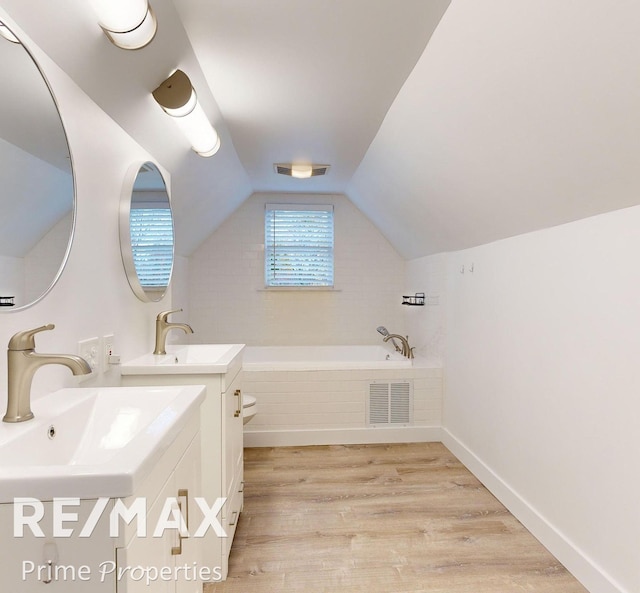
249 408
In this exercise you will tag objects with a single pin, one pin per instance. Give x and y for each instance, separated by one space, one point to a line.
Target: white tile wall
311 400
228 302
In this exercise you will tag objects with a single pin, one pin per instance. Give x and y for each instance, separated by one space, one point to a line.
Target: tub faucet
23 362
163 327
383 331
406 350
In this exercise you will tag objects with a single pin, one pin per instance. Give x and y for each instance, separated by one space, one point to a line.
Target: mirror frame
125 233
74 209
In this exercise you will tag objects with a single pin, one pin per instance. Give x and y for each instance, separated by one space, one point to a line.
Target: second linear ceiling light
178 98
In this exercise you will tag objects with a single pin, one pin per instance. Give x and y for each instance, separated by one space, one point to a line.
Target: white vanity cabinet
221 433
161 558
104 561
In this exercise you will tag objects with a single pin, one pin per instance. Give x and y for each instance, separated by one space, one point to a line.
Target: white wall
542 386
92 297
228 302
12 277
42 263
35 196
27 278
427 324
180 299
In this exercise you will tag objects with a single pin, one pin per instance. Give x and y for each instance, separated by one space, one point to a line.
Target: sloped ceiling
512 116
520 115
306 82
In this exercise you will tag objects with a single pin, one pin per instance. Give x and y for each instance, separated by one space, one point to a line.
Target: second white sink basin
194 358
87 443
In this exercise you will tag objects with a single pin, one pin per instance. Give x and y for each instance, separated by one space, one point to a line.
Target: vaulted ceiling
308 82
448 124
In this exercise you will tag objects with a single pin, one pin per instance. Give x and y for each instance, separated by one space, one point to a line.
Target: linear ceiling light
178 98
129 24
7 34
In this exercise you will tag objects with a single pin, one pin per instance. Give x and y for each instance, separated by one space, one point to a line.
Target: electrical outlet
88 349
107 351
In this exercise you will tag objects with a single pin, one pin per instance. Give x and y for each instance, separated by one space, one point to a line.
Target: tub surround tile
296 402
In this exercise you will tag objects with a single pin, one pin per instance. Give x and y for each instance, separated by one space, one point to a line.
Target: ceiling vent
300 171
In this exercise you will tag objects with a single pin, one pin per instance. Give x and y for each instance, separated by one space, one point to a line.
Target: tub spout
406 349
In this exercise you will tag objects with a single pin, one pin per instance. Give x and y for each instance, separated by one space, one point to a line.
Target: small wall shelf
417 300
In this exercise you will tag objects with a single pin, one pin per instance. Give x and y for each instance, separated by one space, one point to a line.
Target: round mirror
146 232
37 196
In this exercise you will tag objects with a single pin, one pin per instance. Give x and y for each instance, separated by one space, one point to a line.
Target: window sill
299 289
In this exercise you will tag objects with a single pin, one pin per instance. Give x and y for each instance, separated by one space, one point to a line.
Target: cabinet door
233 459
188 486
168 563
149 553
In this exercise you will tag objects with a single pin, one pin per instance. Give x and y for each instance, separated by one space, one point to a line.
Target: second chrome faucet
163 327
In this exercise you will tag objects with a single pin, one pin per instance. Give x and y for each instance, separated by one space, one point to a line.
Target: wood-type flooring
399 518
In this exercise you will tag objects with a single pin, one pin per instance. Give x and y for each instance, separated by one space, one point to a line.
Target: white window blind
152 245
298 245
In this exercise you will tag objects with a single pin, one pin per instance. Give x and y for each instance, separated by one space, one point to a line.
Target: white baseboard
582 567
347 436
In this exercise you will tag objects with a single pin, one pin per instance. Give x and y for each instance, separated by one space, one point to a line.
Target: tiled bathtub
321 395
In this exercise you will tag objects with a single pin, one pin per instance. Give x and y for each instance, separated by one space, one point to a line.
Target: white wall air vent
300 171
390 403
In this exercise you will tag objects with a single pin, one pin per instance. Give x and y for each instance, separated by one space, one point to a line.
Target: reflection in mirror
146 232
36 181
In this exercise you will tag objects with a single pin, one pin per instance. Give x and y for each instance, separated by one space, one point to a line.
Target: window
298 245
152 245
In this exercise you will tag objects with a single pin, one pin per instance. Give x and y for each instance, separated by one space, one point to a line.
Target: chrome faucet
23 362
163 327
406 350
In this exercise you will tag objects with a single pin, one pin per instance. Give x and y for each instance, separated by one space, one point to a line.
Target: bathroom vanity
86 452
219 368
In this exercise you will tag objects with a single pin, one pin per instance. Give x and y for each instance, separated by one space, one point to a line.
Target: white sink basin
86 443
195 358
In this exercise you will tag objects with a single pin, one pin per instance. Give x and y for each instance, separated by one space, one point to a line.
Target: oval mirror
146 232
37 194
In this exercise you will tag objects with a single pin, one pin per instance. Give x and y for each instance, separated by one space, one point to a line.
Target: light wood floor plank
400 518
